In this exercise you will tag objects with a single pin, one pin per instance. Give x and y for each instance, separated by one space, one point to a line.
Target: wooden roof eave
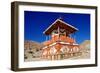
72 27
50 26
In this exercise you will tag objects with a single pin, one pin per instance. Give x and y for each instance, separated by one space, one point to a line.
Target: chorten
60 45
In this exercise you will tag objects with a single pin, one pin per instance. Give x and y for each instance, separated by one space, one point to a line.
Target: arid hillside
32 50
85 46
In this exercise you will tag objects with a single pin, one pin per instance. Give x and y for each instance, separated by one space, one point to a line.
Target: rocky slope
32 50
85 46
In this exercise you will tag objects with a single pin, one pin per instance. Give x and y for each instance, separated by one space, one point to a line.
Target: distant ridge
85 44
32 44
85 49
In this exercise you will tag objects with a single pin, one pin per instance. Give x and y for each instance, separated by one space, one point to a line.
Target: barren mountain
32 45
32 50
85 45
85 48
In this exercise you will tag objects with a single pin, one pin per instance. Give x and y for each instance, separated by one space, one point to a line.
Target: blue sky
37 22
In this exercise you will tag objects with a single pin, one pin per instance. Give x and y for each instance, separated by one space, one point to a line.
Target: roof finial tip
60 18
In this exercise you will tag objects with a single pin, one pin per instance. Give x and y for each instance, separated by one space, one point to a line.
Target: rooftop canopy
61 24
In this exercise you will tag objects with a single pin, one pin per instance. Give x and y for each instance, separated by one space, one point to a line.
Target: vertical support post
58 32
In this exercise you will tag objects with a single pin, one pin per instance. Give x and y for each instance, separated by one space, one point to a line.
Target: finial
60 18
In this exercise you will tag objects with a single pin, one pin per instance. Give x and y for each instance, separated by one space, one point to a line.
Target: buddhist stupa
60 45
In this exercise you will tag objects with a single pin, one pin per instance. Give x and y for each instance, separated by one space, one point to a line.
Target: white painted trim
56 43
64 43
53 50
50 45
68 24
76 49
50 25
60 21
44 47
